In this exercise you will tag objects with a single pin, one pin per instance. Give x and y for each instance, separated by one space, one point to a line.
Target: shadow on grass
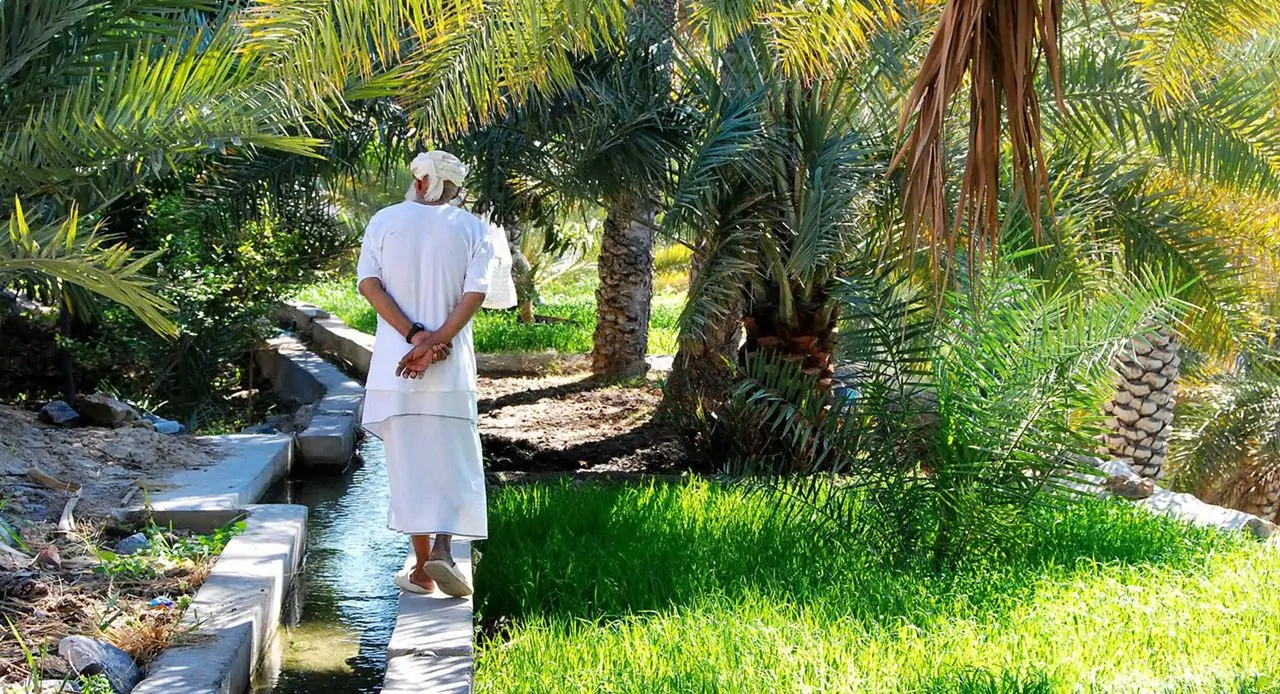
593 552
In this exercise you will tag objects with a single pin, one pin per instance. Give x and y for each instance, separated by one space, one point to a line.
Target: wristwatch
414 330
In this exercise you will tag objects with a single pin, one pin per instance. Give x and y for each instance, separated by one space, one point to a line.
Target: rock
90 656
1130 488
136 542
116 450
59 413
103 410
49 558
261 429
1261 529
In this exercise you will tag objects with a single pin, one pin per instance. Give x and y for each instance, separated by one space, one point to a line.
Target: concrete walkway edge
232 621
431 646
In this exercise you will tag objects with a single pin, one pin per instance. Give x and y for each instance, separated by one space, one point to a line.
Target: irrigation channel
345 599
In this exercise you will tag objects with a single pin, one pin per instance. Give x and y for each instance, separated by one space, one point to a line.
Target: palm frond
1179 42
85 260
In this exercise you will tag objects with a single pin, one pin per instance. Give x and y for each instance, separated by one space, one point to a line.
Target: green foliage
957 421
499 331
710 587
167 549
95 684
1228 439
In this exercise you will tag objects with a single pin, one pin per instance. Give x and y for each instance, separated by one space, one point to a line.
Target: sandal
407 585
449 578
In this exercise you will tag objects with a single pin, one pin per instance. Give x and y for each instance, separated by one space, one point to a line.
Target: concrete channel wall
299 375
233 618
431 646
230 624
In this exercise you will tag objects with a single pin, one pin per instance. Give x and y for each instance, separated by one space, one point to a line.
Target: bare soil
575 423
59 587
106 462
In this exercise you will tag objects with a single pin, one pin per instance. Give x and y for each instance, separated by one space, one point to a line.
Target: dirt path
574 423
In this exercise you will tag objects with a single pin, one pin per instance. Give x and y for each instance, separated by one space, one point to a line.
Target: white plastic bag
502 287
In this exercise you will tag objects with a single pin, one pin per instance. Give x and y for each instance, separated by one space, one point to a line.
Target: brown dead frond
998 43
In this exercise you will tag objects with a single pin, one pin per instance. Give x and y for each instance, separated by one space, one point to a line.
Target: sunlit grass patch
498 331
690 588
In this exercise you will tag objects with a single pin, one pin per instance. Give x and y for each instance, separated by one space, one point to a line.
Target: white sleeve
478 266
370 263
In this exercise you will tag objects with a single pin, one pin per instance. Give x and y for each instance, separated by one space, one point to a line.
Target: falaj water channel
338 644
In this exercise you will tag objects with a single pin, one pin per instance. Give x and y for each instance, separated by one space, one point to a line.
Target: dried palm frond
995 43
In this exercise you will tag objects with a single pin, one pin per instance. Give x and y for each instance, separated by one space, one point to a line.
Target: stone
49 558
103 410
1129 488
1261 528
1148 408
261 429
59 413
1163 415
1142 454
90 657
136 542
1123 397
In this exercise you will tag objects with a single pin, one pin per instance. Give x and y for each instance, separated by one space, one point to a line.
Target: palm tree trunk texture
809 337
702 372
522 274
626 288
1140 415
1259 494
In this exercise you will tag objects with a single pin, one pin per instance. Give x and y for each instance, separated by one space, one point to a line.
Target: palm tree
772 194
96 98
1168 109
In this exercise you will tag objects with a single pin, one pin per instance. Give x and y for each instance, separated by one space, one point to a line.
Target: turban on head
438 166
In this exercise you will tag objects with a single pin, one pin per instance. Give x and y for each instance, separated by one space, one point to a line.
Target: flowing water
346 597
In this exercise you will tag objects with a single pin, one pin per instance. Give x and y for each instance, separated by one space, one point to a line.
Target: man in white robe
424 266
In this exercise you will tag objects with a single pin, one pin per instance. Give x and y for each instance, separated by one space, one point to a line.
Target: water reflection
348 599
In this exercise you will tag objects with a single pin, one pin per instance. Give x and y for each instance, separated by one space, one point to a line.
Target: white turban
437 166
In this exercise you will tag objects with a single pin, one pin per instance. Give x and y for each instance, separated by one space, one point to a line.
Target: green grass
700 588
498 331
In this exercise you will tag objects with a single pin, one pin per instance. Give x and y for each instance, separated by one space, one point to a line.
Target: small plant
166 549
95 684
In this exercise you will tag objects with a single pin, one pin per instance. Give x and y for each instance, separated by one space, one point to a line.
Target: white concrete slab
431 646
434 624
236 612
333 336
411 674
328 440
204 498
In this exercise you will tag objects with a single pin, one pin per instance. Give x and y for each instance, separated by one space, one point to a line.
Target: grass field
695 588
498 331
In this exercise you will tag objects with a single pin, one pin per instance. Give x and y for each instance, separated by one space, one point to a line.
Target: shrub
953 419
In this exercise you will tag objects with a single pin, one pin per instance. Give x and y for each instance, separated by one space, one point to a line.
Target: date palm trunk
626 289
1140 415
808 336
522 275
702 372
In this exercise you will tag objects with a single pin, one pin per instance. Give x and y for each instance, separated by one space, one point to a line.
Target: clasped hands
427 350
